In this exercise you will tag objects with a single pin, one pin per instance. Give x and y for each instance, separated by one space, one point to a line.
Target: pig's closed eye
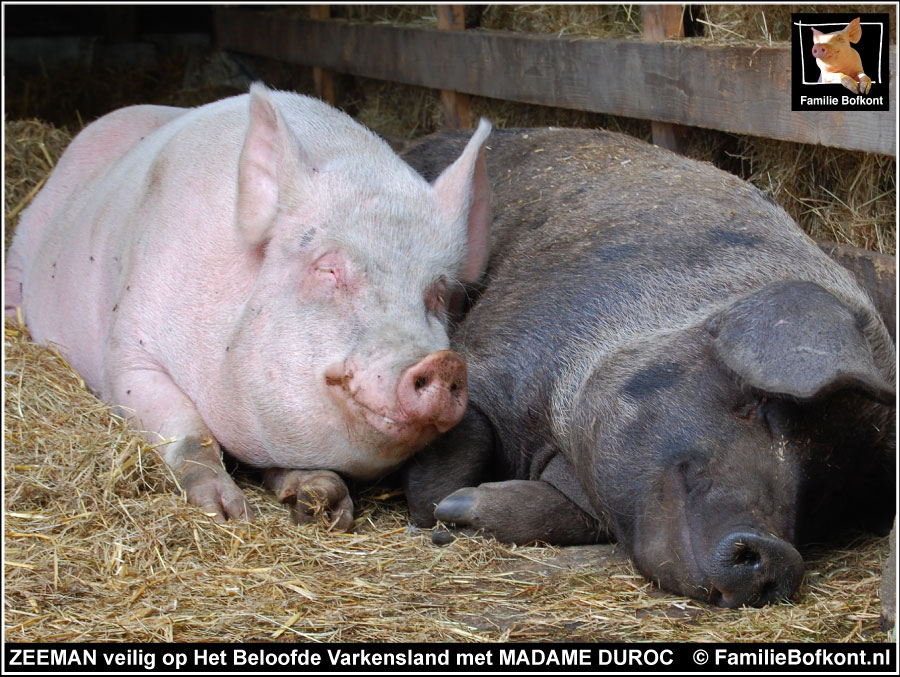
694 476
748 412
329 272
436 298
321 270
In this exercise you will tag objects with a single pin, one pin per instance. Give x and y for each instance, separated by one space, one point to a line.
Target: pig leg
207 483
521 511
865 83
312 493
849 83
459 458
157 405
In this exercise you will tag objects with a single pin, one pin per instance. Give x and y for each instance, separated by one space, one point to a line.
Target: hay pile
58 95
768 24
731 24
100 546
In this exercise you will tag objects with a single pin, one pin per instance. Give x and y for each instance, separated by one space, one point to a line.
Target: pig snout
753 570
820 51
401 414
435 391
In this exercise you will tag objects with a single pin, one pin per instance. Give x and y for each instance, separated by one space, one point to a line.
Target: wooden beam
455 104
663 22
744 90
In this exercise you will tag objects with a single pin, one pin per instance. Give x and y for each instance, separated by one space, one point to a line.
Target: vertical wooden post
322 79
455 104
661 22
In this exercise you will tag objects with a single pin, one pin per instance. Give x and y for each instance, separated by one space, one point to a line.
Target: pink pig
260 273
838 61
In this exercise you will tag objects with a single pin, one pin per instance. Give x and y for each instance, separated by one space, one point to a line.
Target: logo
840 61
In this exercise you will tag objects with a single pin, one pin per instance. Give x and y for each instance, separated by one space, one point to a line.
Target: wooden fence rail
743 90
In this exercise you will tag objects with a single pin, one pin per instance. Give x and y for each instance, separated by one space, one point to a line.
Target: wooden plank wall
743 90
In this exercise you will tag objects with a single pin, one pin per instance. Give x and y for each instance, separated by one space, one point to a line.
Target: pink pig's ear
267 153
854 30
817 35
464 195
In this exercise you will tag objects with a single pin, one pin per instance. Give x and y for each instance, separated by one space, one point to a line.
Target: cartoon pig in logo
838 61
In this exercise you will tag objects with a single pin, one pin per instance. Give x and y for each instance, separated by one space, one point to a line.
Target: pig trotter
849 83
458 507
313 495
457 459
520 511
208 485
865 83
441 535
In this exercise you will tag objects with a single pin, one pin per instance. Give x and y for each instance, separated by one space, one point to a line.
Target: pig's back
632 238
97 146
604 241
54 266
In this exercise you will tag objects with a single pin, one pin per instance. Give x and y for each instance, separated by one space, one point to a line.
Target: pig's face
340 352
729 464
705 500
716 518
343 346
833 50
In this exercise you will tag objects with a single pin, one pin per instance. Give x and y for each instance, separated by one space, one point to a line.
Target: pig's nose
754 570
819 51
434 391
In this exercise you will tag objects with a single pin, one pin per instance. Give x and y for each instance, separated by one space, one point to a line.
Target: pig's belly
67 302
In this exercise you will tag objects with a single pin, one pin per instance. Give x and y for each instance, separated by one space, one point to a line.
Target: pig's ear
854 30
267 154
795 339
817 35
464 196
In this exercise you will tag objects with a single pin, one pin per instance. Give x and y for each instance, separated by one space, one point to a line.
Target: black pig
661 356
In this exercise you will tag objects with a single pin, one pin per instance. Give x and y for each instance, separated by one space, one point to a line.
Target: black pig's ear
796 340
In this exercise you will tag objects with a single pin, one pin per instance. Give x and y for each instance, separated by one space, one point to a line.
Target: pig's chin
389 434
666 544
664 552
678 572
